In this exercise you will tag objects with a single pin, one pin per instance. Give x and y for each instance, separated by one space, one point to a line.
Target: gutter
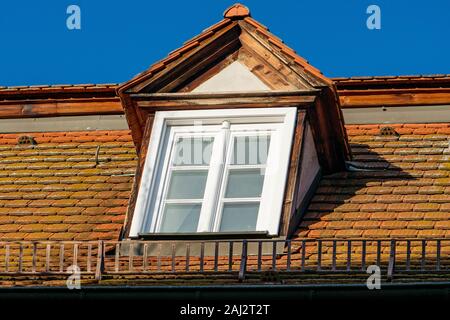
266 292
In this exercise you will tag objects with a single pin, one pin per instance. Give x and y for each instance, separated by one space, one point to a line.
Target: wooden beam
57 92
201 66
264 71
409 97
133 119
293 174
253 45
328 132
237 102
33 109
225 95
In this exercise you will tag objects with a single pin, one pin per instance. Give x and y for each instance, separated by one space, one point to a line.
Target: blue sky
119 39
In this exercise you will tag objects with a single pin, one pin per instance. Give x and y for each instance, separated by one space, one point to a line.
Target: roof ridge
237 11
46 87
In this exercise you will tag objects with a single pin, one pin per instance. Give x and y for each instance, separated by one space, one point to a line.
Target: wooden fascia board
292 182
394 97
276 67
308 79
224 100
142 153
133 120
216 48
328 132
187 95
57 93
54 108
195 69
395 83
258 65
252 41
149 78
333 98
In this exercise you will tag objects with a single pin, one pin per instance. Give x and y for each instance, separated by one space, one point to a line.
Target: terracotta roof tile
236 11
48 193
408 198
60 87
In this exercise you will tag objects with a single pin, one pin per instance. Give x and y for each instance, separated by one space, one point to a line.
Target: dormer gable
234 78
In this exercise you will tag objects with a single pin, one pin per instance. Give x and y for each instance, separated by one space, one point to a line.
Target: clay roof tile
237 11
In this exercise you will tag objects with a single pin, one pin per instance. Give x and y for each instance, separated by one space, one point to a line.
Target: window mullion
213 182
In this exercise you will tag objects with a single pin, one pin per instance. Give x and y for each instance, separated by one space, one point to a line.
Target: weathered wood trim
137 178
56 108
63 123
131 115
229 95
409 97
156 82
260 102
393 82
58 92
161 101
398 114
293 174
328 132
251 43
264 71
195 69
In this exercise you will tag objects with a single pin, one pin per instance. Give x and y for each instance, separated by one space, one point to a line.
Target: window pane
244 183
190 151
180 218
187 184
250 149
239 217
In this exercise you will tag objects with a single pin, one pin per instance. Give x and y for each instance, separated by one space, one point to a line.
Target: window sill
206 235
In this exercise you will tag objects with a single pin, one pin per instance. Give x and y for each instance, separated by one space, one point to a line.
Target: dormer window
215 171
233 131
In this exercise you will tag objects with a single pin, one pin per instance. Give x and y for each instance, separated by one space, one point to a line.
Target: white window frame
144 218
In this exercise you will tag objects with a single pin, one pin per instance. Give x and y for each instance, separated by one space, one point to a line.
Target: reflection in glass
192 151
180 218
187 184
239 217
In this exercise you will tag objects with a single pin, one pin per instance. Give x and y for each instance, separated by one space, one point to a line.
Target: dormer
233 130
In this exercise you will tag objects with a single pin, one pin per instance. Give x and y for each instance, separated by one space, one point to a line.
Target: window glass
187 184
250 149
180 218
215 171
244 183
185 191
245 175
239 217
191 151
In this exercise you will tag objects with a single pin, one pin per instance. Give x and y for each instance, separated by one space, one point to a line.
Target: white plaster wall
235 77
